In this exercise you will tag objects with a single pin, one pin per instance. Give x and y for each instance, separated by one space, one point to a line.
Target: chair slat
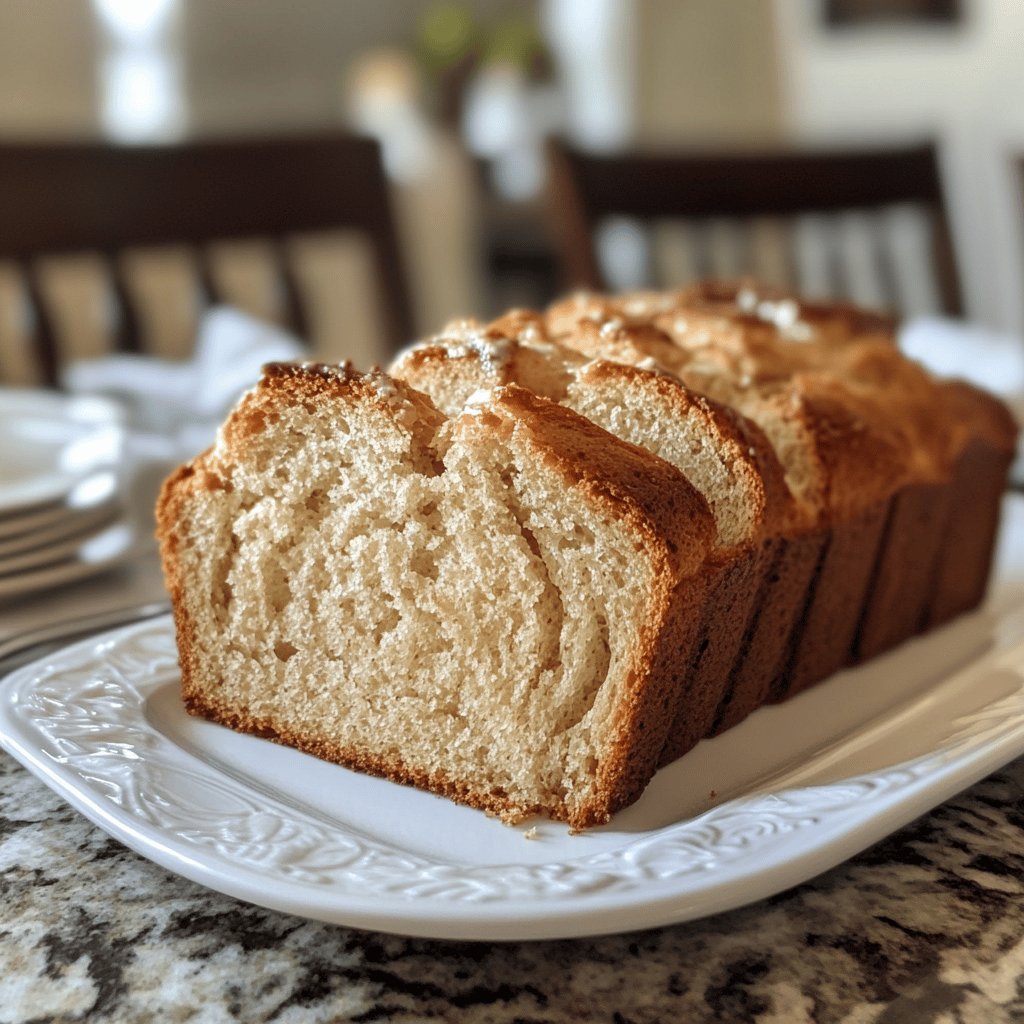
293 313
797 185
44 335
127 330
94 197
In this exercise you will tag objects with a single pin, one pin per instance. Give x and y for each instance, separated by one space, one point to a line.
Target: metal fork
34 643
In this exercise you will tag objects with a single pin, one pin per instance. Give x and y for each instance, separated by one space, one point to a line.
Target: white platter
795 790
51 442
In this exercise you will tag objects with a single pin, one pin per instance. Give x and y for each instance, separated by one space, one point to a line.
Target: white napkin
993 361
950 348
174 408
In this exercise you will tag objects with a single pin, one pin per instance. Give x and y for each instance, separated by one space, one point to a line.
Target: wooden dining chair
831 223
108 200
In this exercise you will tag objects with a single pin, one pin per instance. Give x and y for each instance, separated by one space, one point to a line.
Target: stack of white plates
61 516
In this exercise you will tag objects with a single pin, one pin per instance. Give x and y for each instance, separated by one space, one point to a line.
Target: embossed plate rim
98 740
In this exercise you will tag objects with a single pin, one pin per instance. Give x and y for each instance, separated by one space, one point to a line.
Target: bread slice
981 448
727 457
724 456
495 606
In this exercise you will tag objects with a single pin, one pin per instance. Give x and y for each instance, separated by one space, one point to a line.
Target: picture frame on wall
873 13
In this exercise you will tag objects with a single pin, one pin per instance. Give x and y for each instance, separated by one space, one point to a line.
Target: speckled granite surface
926 926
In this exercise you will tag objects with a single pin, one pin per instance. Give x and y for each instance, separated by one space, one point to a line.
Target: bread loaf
498 607
541 557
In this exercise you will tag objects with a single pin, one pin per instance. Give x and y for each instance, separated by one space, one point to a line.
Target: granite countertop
928 925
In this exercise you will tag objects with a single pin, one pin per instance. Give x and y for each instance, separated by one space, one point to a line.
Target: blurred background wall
960 82
49 85
607 73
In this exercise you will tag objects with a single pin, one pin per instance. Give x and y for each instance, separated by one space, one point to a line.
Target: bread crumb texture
476 606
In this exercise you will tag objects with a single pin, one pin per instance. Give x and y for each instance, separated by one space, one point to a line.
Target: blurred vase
383 99
506 118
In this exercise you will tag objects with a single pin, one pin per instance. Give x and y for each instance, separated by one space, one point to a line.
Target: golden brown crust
743 360
456 370
172 495
838 319
755 347
741 441
979 416
862 463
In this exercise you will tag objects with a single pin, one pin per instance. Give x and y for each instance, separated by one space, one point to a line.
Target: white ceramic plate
90 496
51 442
58 528
93 497
793 791
89 556
20 554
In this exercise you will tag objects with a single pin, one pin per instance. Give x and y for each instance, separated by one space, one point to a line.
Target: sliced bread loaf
546 555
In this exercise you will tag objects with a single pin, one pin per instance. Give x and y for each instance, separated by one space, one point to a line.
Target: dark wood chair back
766 189
105 199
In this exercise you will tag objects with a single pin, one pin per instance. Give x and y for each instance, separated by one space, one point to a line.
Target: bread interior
420 598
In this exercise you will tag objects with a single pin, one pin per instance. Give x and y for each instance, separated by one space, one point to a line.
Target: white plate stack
61 514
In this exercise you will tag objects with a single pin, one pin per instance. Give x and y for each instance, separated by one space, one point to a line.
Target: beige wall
706 69
252 64
266 64
47 68
248 64
706 72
